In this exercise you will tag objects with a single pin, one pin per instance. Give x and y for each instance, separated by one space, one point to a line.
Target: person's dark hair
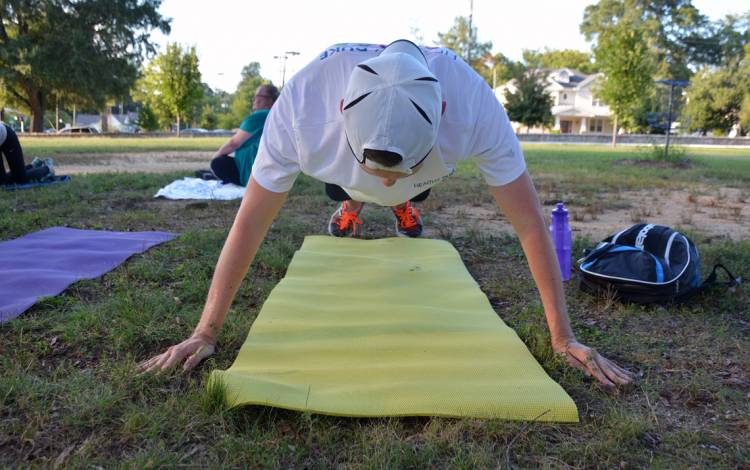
384 157
270 90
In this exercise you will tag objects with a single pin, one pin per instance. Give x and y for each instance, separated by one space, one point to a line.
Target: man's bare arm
257 211
519 202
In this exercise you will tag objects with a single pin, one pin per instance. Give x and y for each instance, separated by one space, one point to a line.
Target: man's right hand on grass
193 350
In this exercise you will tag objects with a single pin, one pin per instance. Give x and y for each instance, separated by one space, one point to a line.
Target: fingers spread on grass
175 356
576 363
202 353
589 366
621 375
149 364
161 359
595 366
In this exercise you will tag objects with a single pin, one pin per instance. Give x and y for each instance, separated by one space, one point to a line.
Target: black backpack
646 264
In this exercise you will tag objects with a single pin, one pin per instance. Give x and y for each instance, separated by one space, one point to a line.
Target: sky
229 34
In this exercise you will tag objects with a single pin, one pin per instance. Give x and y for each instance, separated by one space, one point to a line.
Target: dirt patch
151 162
713 213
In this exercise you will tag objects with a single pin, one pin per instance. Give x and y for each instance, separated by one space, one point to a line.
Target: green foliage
498 69
171 85
49 117
242 101
744 114
87 50
228 121
209 119
719 98
213 107
623 55
147 120
715 98
665 24
462 39
530 104
680 37
722 43
556 59
676 155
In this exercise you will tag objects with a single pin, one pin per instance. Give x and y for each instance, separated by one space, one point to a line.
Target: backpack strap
711 279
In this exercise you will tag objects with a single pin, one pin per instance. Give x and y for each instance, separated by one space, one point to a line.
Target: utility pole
672 84
471 32
284 58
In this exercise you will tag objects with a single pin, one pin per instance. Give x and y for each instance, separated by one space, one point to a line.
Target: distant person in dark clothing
245 142
19 172
10 148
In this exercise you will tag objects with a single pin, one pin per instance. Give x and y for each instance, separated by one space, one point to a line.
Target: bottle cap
560 209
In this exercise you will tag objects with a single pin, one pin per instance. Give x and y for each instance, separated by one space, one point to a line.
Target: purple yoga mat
44 263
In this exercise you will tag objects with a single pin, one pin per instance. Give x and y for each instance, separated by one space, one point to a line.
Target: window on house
596 125
597 102
565 96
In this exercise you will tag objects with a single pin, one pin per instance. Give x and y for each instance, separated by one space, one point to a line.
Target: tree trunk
36 101
614 133
105 119
178 124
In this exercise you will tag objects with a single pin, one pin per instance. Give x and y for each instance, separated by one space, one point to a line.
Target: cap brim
405 166
406 47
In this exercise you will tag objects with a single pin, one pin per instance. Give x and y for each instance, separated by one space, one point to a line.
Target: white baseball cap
393 103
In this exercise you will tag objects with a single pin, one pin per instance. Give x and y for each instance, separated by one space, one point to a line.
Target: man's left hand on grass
587 359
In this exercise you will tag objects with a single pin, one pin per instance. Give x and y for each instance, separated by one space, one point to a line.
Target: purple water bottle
562 239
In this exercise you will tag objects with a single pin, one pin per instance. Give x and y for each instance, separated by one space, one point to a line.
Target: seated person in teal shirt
245 142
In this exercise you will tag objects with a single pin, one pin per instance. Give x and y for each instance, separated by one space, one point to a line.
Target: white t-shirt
3 134
305 130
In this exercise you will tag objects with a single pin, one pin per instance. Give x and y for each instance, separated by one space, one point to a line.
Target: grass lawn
69 395
78 145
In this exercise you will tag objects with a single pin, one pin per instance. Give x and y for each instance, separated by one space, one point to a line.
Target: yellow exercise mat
389 327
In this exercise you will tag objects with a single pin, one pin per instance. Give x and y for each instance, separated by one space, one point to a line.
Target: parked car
79 130
193 130
129 129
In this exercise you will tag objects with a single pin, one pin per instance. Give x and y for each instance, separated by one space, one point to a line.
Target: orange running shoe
344 221
408 221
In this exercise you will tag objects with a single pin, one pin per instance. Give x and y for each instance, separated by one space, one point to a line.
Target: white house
574 107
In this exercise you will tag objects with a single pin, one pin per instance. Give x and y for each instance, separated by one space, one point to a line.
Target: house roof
83 119
569 79
573 111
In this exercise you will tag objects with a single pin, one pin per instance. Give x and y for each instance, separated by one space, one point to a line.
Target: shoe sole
330 221
403 235
330 232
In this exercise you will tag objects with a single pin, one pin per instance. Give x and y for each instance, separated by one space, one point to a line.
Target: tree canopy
84 50
563 58
719 98
530 104
666 25
623 55
242 101
171 85
462 39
